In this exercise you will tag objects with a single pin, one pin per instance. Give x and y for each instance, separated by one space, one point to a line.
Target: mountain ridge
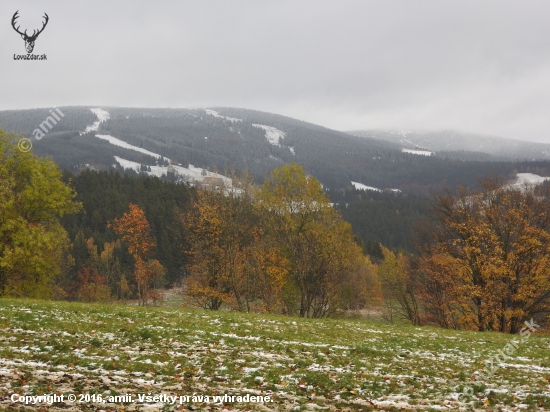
222 139
443 142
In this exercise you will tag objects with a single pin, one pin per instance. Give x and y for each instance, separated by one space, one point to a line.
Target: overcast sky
479 66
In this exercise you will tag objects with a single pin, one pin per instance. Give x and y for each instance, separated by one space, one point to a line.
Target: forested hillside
382 217
236 140
471 146
105 196
228 139
26 121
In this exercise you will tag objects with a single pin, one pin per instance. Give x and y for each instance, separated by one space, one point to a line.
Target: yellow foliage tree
229 260
398 287
316 243
33 244
492 253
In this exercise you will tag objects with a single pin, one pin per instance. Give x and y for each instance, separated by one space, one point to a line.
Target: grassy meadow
101 352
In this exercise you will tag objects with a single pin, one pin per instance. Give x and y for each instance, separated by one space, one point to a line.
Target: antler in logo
29 40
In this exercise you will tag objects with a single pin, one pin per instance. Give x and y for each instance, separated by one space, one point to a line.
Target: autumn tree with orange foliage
486 265
230 262
92 286
444 302
107 265
134 229
282 248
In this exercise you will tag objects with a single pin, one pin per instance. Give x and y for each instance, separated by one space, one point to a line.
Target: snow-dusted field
335 365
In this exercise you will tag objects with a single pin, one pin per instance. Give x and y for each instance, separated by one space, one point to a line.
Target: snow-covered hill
220 139
189 174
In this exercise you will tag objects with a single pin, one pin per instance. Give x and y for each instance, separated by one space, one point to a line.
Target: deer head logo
29 40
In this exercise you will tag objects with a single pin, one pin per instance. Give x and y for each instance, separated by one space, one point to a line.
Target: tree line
481 263
102 236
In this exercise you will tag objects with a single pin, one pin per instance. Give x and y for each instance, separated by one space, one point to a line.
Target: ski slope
361 186
190 173
121 143
216 114
271 134
102 115
417 152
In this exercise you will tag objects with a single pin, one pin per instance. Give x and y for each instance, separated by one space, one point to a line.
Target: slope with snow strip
121 143
191 173
216 114
102 115
128 164
361 186
527 180
417 152
273 136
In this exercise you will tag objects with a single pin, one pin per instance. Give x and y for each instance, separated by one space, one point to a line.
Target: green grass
336 364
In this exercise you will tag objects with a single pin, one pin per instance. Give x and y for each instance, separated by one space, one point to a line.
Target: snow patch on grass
332 365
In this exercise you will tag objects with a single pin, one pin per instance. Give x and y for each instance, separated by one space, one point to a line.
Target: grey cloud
468 65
